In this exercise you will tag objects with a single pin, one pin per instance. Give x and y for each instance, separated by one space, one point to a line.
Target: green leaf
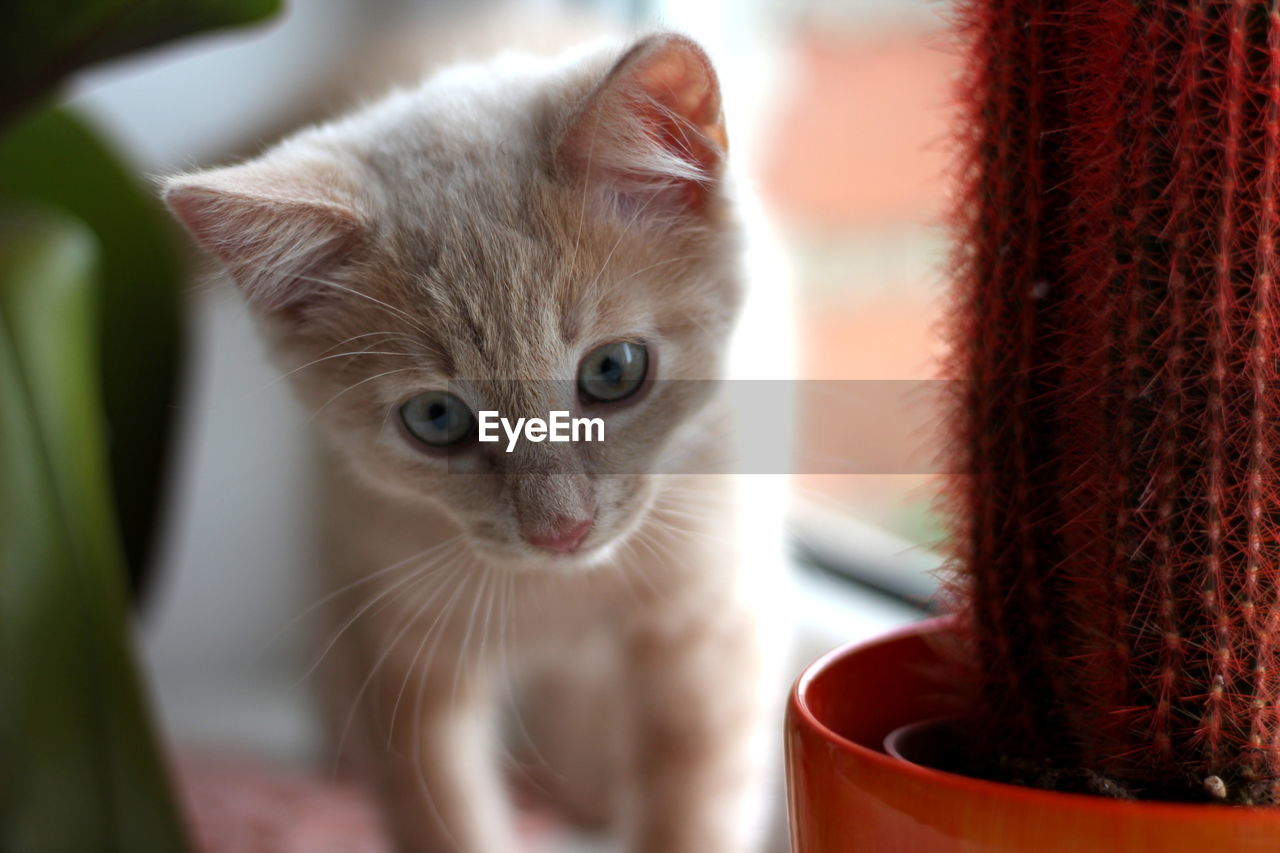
42 41
55 159
81 771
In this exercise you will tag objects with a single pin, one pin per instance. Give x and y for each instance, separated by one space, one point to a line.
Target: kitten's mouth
587 557
520 556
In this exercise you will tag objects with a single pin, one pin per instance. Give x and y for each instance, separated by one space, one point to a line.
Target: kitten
523 236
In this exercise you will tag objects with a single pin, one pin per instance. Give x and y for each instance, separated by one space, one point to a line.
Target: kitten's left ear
653 128
280 223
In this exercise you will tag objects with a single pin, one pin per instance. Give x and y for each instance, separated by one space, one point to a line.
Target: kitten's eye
613 372
438 418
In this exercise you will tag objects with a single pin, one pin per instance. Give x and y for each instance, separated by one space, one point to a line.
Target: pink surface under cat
238 806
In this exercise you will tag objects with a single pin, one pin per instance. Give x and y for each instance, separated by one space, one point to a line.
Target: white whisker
439 620
330 596
322 359
355 385
401 584
353 708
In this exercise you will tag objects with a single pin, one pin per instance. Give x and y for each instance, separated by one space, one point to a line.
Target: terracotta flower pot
848 794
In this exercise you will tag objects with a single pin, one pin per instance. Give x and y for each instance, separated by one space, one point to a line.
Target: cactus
1117 328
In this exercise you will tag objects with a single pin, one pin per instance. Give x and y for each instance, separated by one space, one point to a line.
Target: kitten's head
524 236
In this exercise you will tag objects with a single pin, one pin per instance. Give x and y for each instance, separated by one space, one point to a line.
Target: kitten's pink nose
563 537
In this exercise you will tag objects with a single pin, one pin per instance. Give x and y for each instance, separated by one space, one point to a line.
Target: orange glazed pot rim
911 647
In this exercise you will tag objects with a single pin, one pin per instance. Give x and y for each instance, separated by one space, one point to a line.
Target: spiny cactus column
1118 325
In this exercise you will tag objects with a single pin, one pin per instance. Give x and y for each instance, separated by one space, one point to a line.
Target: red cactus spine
1118 534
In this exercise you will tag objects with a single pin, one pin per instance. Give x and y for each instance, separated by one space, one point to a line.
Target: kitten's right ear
280 227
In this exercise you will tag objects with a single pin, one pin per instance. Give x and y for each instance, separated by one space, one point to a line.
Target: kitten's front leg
699 756
440 788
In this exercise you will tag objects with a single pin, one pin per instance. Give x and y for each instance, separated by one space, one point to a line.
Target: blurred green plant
90 357
81 772
45 40
55 159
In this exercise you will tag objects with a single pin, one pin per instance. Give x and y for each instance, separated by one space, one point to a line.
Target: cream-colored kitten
523 236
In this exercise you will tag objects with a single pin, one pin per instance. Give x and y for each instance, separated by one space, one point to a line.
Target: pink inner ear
679 76
653 129
275 248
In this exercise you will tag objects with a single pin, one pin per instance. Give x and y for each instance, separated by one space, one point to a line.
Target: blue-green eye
438 418
613 372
